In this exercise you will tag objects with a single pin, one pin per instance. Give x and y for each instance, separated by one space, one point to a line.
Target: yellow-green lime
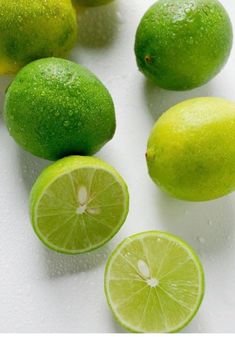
154 282
78 204
35 29
91 3
182 44
55 108
191 149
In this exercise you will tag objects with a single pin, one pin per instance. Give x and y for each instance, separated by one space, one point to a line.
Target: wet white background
42 291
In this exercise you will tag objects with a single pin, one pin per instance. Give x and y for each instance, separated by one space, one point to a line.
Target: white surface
42 291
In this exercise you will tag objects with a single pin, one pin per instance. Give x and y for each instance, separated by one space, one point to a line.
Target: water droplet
66 123
120 18
201 239
210 223
191 40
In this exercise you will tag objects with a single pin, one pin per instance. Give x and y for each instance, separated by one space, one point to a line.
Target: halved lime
154 282
78 204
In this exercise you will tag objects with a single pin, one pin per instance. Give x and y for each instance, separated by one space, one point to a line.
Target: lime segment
154 282
78 204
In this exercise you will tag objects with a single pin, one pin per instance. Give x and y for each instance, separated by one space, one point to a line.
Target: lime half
154 282
78 204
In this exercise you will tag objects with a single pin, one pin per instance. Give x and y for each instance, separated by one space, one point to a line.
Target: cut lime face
154 282
78 204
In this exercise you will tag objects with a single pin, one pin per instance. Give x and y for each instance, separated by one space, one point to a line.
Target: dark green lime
56 108
182 44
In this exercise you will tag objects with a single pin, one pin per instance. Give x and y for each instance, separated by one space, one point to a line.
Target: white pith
83 199
145 272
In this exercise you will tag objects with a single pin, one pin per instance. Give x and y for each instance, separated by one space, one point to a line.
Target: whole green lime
191 150
182 44
55 108
30 30
91 3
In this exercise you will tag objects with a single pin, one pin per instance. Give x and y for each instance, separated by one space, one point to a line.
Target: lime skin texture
91 3
54 108
55 201
154 283
191 149
30 30
182 44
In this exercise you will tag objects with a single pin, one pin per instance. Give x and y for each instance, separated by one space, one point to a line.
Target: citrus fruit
35 29
154 282
182 44
90 3
55 108
78 204
191 149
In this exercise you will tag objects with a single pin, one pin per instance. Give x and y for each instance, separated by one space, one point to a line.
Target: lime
172 46
78 204
90 3
34 29
154 282
191 149
55 108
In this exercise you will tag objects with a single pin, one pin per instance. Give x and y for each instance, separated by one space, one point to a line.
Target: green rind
35 29
55 108
171 45
187 248
56 170
190 152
